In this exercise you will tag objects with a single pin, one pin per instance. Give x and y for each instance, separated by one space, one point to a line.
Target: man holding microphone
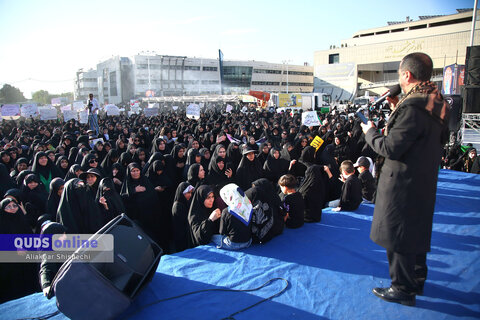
412 148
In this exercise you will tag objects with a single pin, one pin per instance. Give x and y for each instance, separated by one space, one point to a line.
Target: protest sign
316 143
83 116
29 110
67 107
175 108
78 105
193 111
48 114
70 114
10 110
150 112
310 119
229 108
112 110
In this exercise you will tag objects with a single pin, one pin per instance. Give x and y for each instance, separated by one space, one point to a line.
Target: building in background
368 62
85 83
120 79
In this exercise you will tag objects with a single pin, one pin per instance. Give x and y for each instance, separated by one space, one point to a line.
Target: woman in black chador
17 279
274 167
34 197
45 169
314 193
141 202
110 202
203 218
77 210
56 188
249 169
181 204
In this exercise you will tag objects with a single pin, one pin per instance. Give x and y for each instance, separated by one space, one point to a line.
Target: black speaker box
471 99
472 66
456 103
103 290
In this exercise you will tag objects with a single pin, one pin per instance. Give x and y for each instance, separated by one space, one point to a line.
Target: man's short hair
419 64
287 180
347 166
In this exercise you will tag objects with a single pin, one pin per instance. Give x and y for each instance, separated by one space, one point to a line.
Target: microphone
392 92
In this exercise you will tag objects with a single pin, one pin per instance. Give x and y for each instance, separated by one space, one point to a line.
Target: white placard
70 114
28 110
310 119
11 110
112 110
201 105
78 105
67 107
229 108
83 116
193 111
175 108
48 114
150 112
135 108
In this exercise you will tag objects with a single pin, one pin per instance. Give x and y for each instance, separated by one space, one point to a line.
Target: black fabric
6 181
275 168
233 228
247 172
17 279
45 173
406 191
72 172
351 194
77 211
35 200
181 234
144 206
368 185
53 198
106 189
313 191
262 190
201 228
294 206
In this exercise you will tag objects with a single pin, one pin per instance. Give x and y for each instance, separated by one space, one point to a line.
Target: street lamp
287 62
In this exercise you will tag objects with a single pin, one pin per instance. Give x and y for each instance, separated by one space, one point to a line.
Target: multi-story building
120 79
85 83
370 59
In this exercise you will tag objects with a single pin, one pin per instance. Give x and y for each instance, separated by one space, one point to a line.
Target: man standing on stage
93 107
412 148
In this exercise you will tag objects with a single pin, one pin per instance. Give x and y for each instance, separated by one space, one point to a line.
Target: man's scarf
434 104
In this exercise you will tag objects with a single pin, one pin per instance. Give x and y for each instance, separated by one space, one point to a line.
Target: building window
113 83
298 73
194 68
267 71
333 58
209 69
265 83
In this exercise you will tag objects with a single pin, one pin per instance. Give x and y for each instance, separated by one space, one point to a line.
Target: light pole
287 62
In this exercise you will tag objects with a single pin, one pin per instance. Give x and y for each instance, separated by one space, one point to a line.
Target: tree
10 94
41 97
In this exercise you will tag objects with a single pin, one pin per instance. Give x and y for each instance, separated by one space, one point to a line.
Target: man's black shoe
392 295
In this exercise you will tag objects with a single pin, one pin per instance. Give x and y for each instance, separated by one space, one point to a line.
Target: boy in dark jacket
366 178
351 195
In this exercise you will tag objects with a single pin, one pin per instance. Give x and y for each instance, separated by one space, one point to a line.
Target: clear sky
44 42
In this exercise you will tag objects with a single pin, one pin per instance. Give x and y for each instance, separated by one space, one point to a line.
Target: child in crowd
351 195
292 201
366 178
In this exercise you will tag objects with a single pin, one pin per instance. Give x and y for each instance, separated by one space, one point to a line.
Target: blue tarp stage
331 268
